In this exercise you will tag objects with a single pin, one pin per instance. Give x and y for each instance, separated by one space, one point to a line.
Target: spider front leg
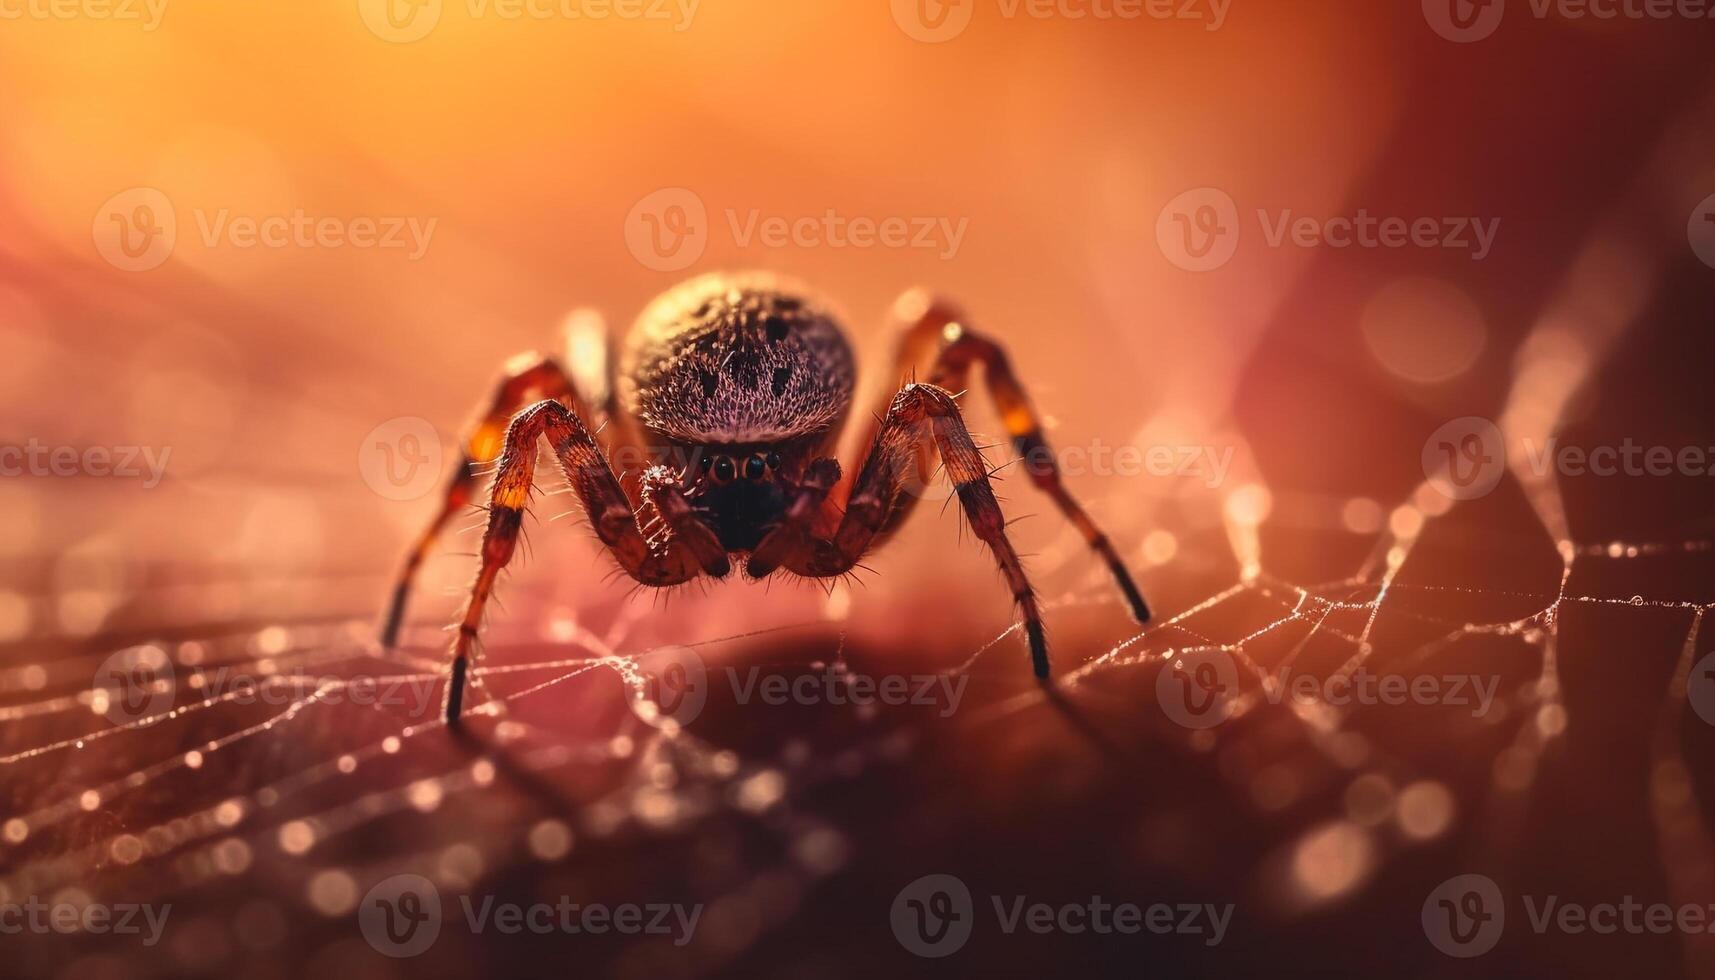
797 527
610 514
924 417
677 524
934 322
527 378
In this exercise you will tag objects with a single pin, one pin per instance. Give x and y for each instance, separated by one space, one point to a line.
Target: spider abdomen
736 359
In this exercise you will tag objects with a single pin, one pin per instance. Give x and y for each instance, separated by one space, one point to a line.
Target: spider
739 385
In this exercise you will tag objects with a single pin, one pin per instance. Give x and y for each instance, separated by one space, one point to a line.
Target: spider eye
723 469
754 467
706 462
773 461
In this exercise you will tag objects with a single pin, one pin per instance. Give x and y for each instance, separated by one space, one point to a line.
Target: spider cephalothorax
738 385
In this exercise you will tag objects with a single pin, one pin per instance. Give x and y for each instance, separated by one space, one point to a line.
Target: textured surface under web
264 811
264 824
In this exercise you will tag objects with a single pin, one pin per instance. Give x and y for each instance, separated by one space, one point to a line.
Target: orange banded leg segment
454 499
924 414
527 378
591 478
965 347
932 323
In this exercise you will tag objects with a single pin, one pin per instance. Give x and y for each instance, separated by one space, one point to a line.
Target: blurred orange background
1054 143
524 148
529 141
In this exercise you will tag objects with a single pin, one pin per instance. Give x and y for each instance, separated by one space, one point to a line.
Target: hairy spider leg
611 515
938 324
526 379
921 418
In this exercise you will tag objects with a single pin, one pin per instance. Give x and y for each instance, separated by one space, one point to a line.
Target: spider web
264 821
210 798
